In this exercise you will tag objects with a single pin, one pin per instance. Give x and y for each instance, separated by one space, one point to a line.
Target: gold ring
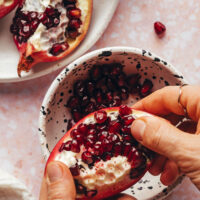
179 100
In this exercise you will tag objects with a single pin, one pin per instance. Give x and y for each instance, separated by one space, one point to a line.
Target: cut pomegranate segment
48 32
104 163
6 6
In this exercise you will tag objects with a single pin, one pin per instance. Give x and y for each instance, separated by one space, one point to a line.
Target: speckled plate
9 55
54 115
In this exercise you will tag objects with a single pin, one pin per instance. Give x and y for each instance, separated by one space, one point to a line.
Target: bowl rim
61 76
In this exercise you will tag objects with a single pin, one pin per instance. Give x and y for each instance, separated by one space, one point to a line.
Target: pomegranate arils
159 28
76 115
75 146
74 169
90 88
91 107
58 48
100 116
146 88
124 93
79 138
74 13
73 102
73 33
113 138
124 110
126 148
102 135
74 24
82 128
107 156
62 147
107 145
79 88
128 120
117 149
87 157
74 133
67 146
115 126
116 70
132 153
92 132
95 73
98 149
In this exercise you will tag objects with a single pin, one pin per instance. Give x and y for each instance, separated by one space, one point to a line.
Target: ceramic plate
54 115
9 55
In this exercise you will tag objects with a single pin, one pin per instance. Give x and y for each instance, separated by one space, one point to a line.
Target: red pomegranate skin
4 10
133 177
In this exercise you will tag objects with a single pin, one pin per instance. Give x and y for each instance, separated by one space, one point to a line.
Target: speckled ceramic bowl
54 115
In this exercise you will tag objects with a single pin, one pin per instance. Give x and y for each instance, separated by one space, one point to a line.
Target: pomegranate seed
111 84
92 132
100 116
89 143
73 133
75 24
107 145
122 80
34 24
99 97
58 48
128 119
126 148
87 157
14 29
73 102
127 137
75 146
97 159
124 110
74 169
91 193
113 138
90 108
62 147
79 88
102 135
159 28
79 138
124 93
102 127
68 145
91 126
126 130
91 137
95 73
70 124
76 115
116 101
109 97
115 126
73 33
146 88
98 149
82 128
90 87
116 70
131 154
101 106
74 13
117 149
101 85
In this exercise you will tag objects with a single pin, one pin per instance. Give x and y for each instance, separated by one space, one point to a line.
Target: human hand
179 151
58 183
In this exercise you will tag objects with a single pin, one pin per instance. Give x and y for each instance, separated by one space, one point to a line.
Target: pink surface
132 25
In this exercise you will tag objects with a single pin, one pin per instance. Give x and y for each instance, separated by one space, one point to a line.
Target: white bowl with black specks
54 114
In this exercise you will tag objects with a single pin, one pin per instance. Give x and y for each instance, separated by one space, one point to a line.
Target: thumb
160 136
60 184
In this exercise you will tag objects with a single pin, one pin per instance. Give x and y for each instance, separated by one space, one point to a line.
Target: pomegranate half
101 153
46 31
6 6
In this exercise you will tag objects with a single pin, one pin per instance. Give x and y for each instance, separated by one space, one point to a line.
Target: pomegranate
104 161
106 86
7 6
159 28
46 31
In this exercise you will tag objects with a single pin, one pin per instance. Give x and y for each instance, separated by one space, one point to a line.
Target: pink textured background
132 25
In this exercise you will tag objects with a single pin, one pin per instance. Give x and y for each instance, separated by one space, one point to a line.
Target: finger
60 184
160 136
157 165
43 190
170 173
165 101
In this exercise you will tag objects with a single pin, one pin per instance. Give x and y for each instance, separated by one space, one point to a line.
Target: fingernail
54 172
138 128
